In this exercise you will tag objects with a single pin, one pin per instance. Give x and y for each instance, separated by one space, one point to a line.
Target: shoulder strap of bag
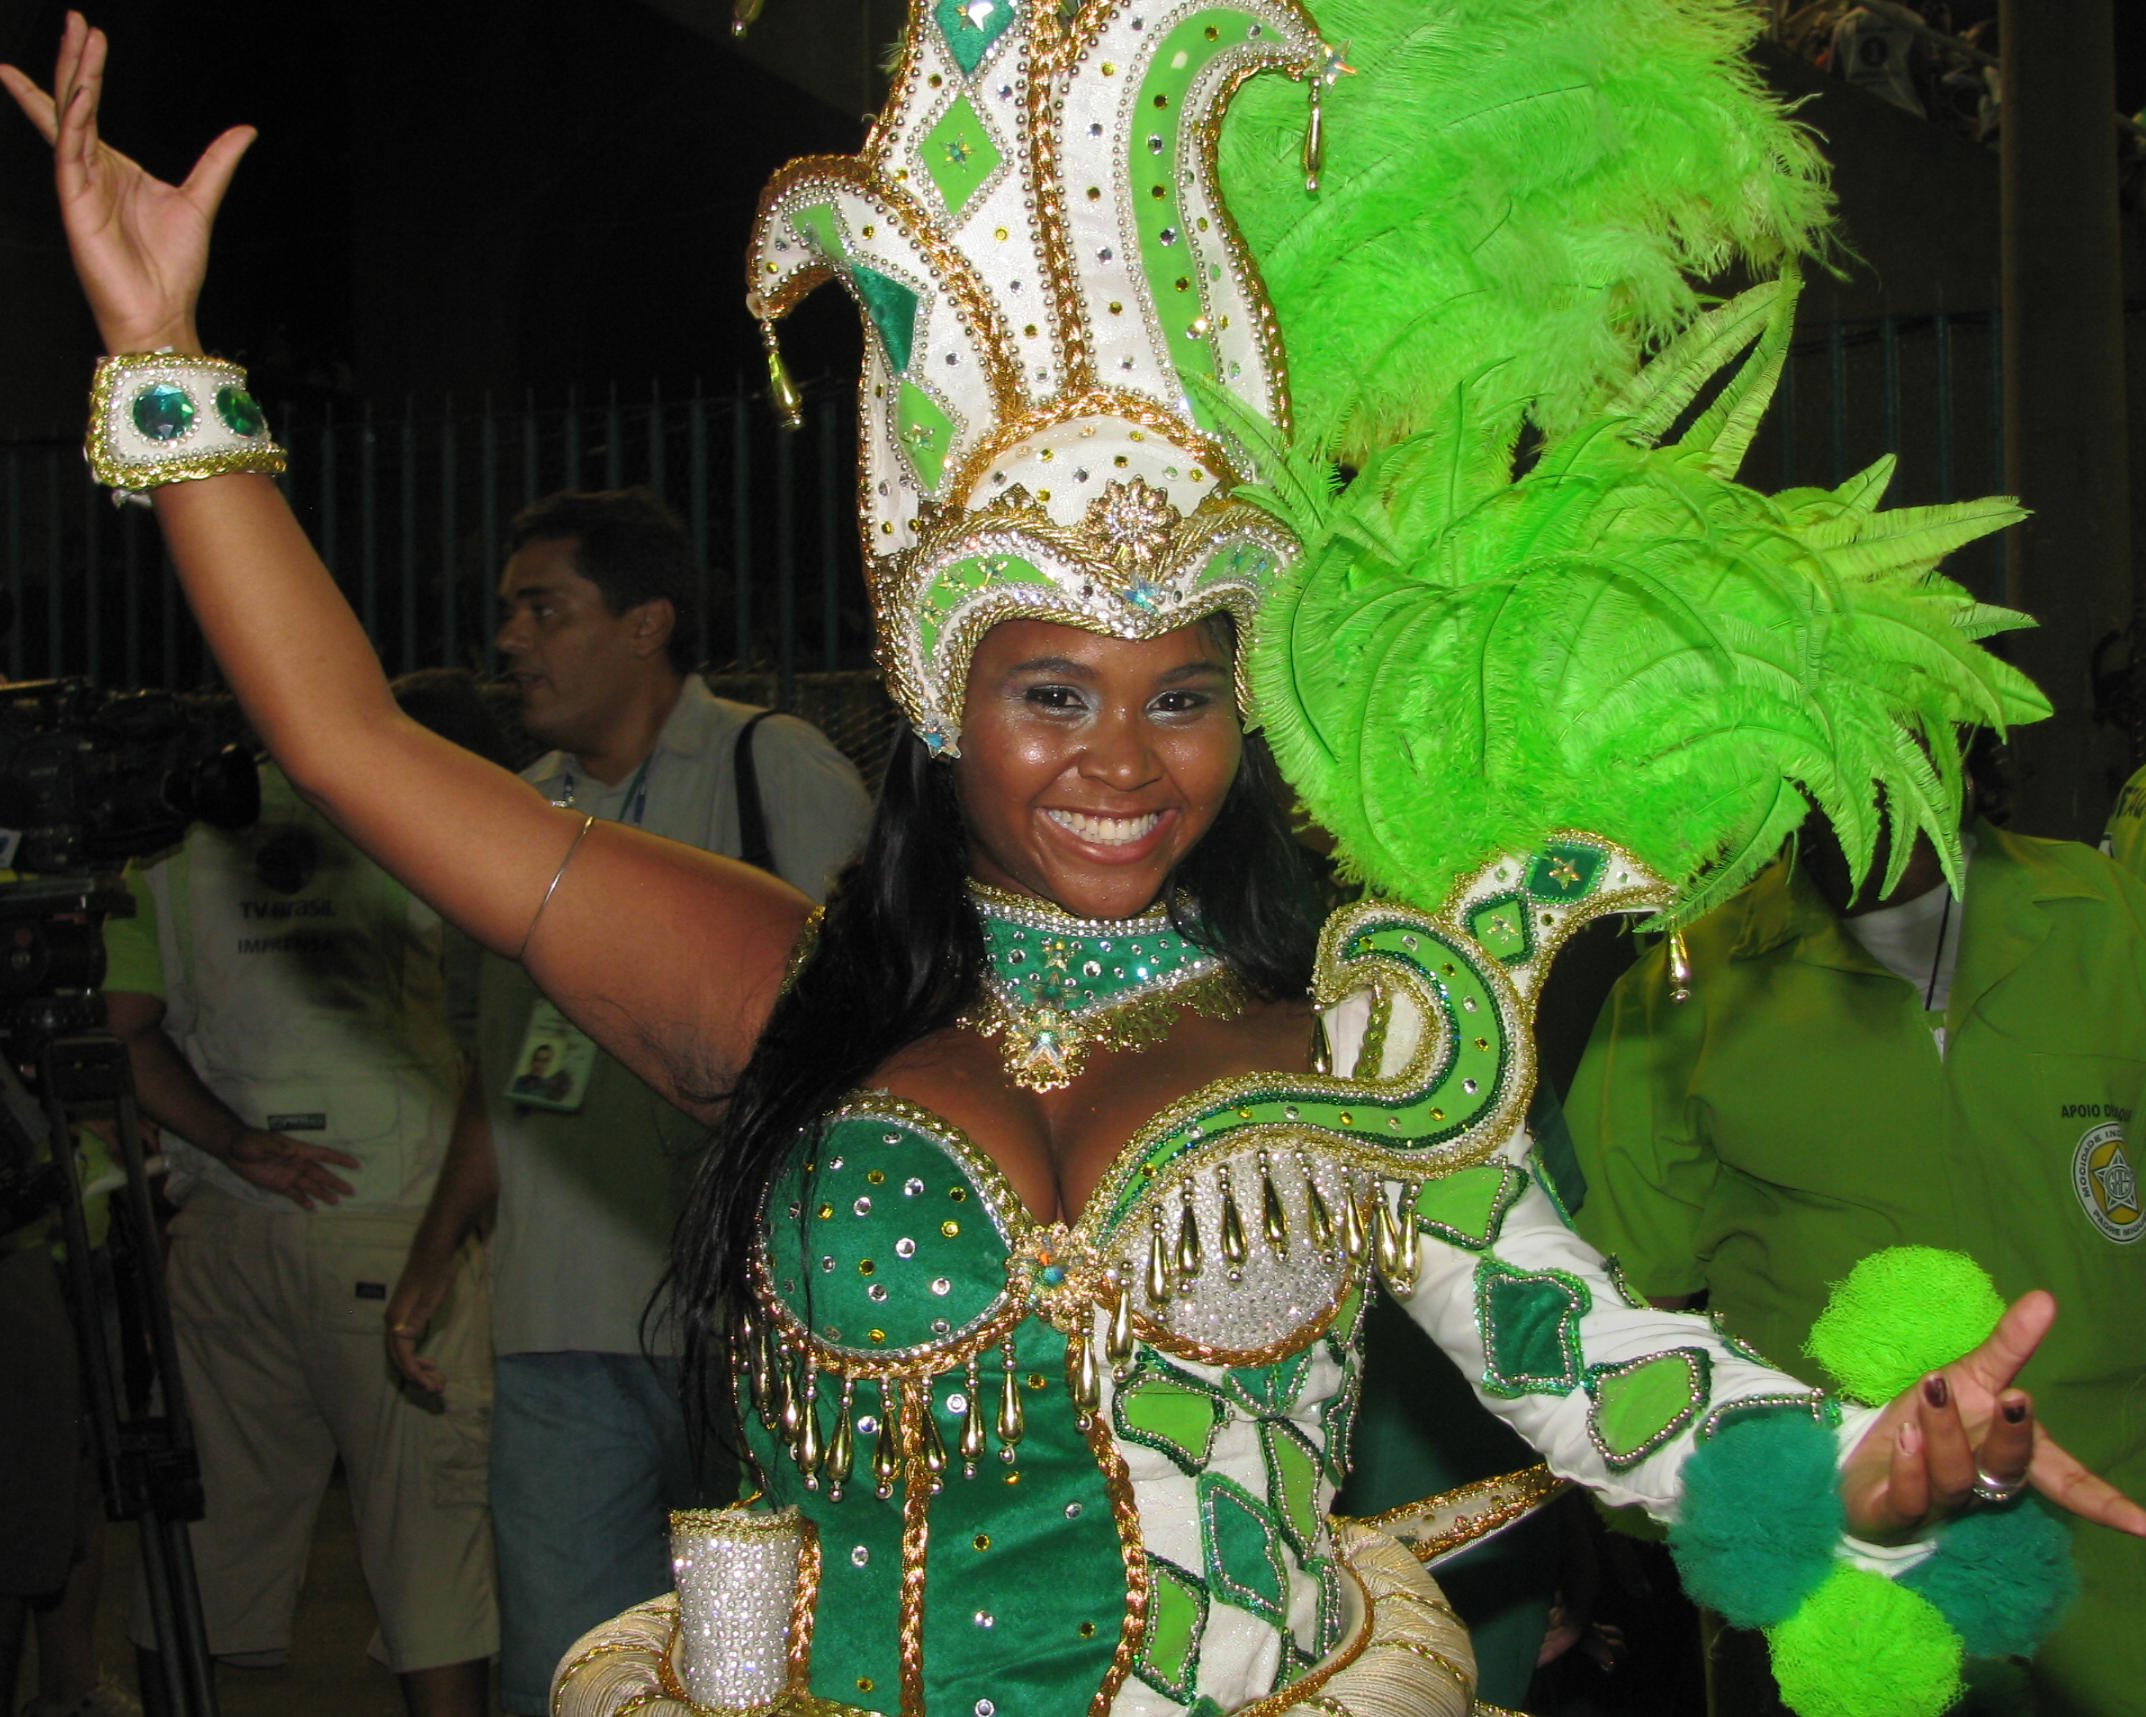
753 845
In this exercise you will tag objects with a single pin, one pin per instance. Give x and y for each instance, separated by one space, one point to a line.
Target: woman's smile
1090 766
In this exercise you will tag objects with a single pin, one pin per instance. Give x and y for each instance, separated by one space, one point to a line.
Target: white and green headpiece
1056 303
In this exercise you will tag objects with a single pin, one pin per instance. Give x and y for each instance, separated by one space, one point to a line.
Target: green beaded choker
1059 985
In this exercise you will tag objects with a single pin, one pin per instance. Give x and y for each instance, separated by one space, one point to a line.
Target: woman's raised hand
140 246
1965 1434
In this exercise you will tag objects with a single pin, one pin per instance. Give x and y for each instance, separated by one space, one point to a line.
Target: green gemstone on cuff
240 411
163 412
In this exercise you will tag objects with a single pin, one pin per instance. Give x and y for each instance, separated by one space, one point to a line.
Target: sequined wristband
158 417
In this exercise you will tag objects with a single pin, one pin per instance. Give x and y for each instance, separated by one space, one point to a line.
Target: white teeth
1106 831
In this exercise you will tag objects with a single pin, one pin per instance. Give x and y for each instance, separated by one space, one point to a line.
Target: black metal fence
409 507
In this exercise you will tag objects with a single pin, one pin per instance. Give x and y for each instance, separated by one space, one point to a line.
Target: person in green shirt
1924 1069
2124 840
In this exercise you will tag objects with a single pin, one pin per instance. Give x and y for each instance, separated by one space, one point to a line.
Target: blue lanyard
636 792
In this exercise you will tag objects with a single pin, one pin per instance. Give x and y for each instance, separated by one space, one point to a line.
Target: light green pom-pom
1900 1313
1863 1647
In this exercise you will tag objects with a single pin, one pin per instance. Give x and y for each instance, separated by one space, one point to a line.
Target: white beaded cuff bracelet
156 417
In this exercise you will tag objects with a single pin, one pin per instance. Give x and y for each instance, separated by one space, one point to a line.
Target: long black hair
900 954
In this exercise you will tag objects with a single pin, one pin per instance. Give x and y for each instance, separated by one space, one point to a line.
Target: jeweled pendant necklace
1057 985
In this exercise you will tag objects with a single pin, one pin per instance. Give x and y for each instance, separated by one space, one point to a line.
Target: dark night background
486 196
443 199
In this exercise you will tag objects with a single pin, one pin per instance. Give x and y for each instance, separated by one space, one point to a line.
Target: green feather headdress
1467 658
1515 200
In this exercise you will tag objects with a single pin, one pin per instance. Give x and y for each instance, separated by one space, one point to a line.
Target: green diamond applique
1168 1658
1292 1482
818 227
1642 1403
926 432
1564 872
892 308
1530 1325
1169 1411
1337 1424
972 28
959 156
1348 1318
1468 1208
1500 928
1270 1388
1242 1545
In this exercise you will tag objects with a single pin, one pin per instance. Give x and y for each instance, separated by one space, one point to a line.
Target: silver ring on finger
1995 1493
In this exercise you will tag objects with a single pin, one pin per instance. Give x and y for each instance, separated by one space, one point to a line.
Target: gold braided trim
1439 1526
916 1481
1125 1515
226 454
1405 1628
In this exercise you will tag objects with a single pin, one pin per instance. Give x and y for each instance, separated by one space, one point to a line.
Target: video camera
88 780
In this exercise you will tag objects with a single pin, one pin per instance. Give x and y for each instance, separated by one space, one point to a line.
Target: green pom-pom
1760 1519
1864 1647
2001 1577
1903 1312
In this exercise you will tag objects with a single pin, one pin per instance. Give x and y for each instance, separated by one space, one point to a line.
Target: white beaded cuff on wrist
157 417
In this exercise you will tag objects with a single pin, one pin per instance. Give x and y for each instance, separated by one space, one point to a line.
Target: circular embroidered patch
2107 1184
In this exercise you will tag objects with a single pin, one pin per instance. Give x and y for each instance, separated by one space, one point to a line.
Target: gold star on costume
1058 985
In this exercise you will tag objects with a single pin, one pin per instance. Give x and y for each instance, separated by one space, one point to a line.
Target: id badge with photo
553 1066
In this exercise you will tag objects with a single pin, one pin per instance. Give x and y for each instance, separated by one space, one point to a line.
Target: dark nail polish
2015 1412
1934 1391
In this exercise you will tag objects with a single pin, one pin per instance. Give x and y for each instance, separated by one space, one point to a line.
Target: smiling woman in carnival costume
1044 1204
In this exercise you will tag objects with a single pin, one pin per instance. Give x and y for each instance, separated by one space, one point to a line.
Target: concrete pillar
2065 456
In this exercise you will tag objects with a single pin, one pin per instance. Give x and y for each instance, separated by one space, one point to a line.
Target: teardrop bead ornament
841 1458
975 1440
1317 1217
809 1449
786 1414
789 404
1314 140
1120 1349
1083 1374
1159 1282
929 1441
1408 1257
1389 1239
1234 1250
1190 1256
1273 1219
1353 1237
887 1450
1012 1419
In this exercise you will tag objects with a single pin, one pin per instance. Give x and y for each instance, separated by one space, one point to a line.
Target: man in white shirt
589 1447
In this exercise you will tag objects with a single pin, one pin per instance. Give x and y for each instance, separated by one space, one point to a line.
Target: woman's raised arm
669 957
